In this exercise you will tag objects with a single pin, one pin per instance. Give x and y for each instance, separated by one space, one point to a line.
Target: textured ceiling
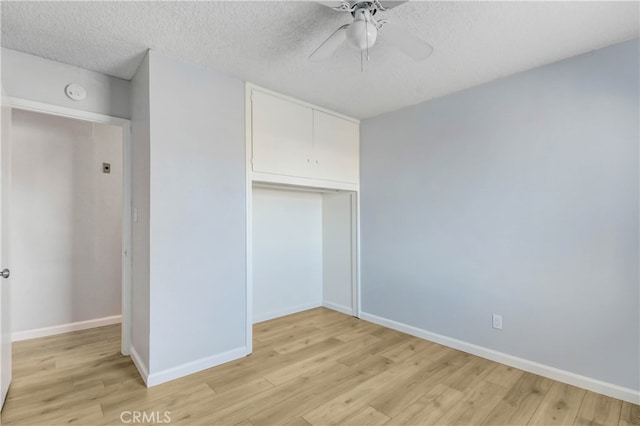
268 43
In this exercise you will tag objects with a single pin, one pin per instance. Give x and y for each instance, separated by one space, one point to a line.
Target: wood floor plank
319 335
294 333
179 404
318 392
429 408
598 410
405 390
471 374
406 350
292 370
629 414
386 341
327 377
81 415
297 421
258 366
559 406
505 376
314 367
244 423
345 404
474 406
367 416
520 402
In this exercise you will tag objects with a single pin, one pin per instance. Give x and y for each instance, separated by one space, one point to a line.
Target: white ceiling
268 43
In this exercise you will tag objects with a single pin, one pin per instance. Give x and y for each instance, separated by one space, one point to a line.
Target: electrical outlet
497 321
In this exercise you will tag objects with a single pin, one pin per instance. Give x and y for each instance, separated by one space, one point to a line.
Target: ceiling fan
362 33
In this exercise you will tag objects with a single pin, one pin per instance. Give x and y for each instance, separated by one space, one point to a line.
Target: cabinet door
336 148
282 133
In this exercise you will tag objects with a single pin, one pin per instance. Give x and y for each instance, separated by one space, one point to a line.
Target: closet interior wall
302 251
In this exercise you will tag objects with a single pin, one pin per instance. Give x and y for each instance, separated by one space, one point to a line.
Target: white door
5 186
336 147
282 136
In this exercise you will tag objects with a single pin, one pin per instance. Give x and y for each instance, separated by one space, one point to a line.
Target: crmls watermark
133 417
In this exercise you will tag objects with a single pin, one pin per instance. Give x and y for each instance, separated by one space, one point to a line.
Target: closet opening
69 226
304 250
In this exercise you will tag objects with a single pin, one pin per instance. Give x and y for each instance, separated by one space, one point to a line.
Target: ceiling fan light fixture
362 34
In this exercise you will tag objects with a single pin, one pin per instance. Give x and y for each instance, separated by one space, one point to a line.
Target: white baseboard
283 312
64 328
340 308
140 365
194 366
580 381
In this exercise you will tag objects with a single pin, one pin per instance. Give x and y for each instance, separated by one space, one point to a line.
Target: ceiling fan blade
408 43
330 45
391 4
335 4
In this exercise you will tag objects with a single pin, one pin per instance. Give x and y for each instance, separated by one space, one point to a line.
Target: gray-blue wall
518 197
197 215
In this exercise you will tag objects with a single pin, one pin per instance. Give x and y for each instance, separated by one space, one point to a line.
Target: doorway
71 226
66 229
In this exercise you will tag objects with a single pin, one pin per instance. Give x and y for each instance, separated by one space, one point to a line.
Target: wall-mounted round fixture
75 92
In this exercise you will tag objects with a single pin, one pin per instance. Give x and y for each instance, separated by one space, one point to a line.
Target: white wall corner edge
140 365
283 312
598 386
192 367
17 336
339 308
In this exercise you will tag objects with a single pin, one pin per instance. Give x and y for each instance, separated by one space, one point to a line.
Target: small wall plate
75 92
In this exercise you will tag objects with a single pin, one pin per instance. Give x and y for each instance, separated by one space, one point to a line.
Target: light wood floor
318 367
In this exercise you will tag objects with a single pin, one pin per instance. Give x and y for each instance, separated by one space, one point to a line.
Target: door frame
125 125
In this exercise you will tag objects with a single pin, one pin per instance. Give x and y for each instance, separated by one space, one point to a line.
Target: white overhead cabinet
335 148
282 134
290 138
302 196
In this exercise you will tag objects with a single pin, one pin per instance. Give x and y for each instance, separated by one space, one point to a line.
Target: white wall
66 221
140 175
287 252
197 219
37 79
518 197
189 284
337 253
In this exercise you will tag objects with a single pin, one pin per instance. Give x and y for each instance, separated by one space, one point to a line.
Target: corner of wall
140 365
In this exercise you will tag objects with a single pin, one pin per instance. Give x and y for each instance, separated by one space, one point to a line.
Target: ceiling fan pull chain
366 34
